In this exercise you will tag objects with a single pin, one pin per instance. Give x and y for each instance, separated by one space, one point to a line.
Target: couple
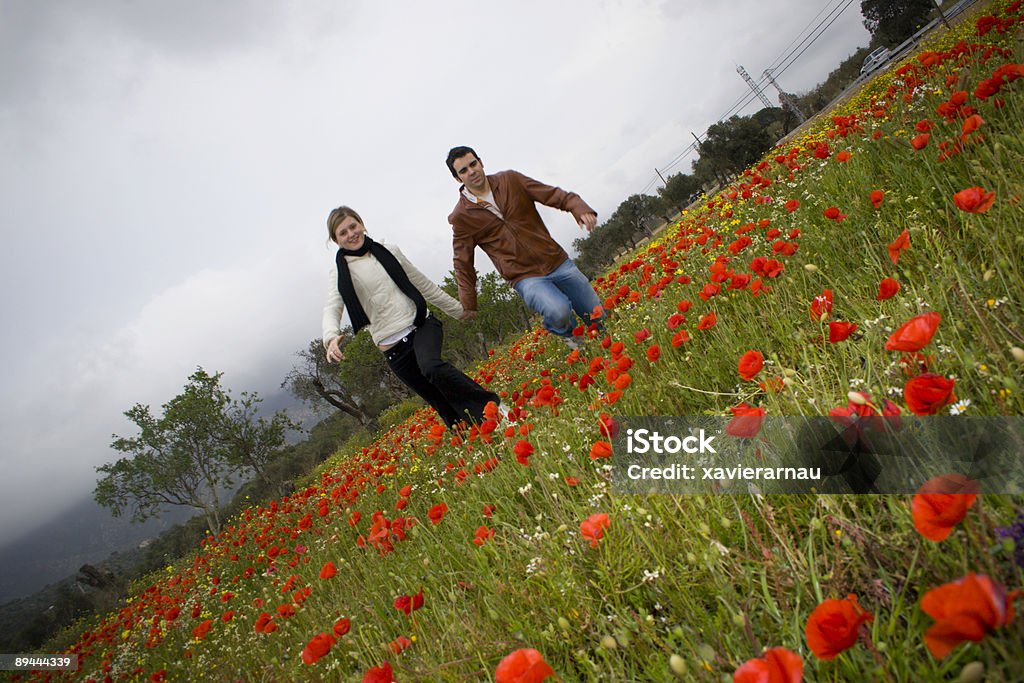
384 292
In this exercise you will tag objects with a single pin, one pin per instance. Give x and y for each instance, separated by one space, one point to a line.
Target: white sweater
388 309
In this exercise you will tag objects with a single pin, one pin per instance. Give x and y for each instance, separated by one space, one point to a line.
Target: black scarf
393 268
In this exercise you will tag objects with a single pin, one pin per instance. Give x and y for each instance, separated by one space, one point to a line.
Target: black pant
417 362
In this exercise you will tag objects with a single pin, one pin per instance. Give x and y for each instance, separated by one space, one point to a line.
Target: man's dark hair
456 153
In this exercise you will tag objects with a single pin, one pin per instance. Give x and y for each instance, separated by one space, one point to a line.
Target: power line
789 55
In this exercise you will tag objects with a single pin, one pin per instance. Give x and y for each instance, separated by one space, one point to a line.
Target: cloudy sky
166 169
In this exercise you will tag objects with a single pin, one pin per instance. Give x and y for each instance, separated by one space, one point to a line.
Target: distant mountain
85 534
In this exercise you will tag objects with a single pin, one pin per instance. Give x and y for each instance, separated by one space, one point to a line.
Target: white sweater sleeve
430 291
333 310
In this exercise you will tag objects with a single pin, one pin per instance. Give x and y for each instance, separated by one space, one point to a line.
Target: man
498 213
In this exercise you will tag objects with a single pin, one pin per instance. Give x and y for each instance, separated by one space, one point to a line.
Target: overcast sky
166 169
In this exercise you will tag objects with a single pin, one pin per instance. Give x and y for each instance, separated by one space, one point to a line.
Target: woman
388 295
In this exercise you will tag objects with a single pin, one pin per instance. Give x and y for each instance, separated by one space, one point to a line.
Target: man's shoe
573 343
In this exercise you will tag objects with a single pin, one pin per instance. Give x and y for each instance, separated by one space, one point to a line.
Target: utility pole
787 100
663 182
942 15
753 86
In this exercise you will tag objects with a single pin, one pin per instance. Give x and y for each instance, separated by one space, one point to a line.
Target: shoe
573 343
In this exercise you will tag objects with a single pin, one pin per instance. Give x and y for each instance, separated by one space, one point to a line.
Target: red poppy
437 513
777 665
974 200
317 647
971 124
328 571
523 666
750 364
523 450
843 156
482 535
832 626
653 353
746 421
887 289
927 394
265 623
592 528
832 213
838 331
600 449
898 245
792 205
341 627
708 321
709 291
941 503
399 644
200 631
821 307
572 481
915 334
680 338
405 491
379 674
409 604
965 610
876 198
488 510
919 142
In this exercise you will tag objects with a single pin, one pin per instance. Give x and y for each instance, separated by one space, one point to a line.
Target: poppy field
867 269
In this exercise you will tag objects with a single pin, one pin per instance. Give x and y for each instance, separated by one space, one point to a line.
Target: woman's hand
334 354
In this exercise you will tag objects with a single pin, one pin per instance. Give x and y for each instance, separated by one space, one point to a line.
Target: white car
874 60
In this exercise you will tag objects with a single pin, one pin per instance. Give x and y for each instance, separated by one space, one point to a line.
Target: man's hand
468 315
334 354
588 221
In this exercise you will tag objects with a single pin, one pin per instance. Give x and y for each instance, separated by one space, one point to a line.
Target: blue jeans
557 294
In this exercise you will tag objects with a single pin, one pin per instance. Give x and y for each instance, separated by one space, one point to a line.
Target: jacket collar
497 190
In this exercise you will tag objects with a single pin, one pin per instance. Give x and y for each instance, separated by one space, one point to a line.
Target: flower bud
810 268
678 665
609 642
1017 353
973 672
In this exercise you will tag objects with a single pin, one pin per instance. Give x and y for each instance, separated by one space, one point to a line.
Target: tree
731 146
501 312
634 214
893 21
679 190
189 454
632 218
316 380
254 441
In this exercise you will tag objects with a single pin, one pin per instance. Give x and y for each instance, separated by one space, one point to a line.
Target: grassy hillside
505 553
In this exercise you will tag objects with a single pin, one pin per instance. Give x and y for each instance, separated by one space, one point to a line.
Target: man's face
471 172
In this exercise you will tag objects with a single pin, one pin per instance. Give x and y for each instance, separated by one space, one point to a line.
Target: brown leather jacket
520 246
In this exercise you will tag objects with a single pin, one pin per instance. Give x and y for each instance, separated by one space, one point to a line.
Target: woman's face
349 233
